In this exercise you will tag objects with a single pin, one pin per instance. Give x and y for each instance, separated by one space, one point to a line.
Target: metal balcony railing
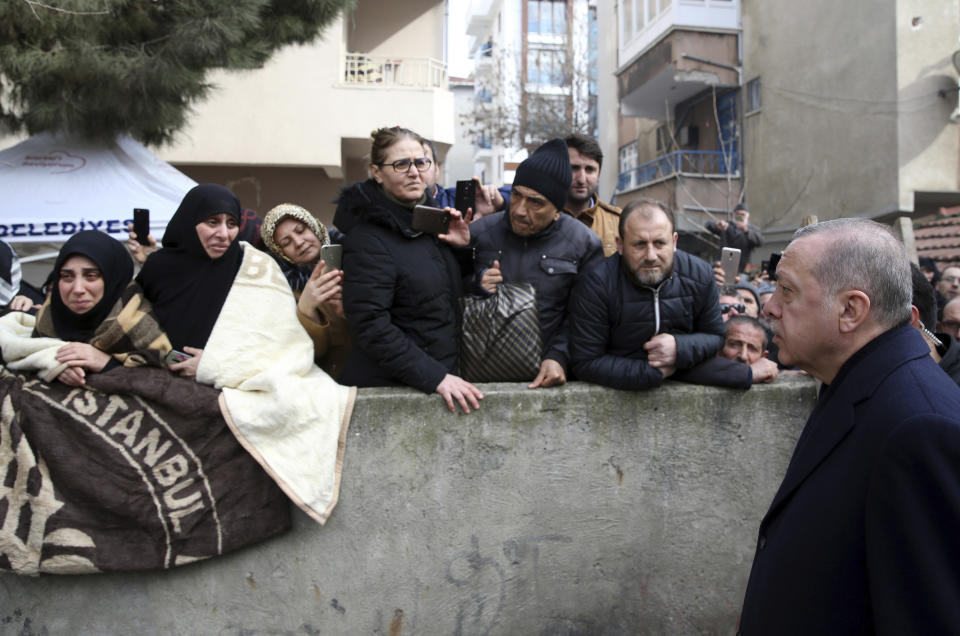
380 71
689 162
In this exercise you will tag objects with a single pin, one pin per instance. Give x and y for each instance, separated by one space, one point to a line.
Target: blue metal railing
703 162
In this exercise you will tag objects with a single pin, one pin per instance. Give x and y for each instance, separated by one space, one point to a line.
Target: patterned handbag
500 339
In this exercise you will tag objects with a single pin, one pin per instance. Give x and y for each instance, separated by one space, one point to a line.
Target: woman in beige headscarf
295 237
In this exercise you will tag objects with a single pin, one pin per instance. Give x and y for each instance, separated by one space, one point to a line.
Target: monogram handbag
500 339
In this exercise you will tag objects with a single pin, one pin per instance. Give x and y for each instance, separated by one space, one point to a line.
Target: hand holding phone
430 220
466 196
332 255
774 261
176 356
141 225
730 261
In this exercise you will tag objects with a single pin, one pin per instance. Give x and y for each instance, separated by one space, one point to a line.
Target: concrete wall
928 143
577 510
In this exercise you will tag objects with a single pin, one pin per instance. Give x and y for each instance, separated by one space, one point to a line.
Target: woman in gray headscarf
295 238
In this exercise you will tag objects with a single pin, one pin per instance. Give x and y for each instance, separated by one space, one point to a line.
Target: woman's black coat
401 293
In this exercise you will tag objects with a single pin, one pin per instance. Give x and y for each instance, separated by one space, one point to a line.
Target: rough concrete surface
574 510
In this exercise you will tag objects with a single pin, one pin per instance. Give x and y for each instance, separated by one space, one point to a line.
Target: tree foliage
102 67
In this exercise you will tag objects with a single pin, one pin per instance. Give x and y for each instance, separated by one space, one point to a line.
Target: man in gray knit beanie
532 242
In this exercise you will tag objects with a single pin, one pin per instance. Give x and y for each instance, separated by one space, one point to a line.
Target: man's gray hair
864 255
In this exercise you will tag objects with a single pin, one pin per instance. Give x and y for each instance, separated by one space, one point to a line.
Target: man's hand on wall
764 370
661 351
551 374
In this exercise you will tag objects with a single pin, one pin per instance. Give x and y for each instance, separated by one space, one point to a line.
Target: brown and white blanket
142 469
285 410
138 470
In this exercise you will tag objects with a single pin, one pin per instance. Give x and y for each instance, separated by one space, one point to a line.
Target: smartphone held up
141 225
730 261
332 256
466 196
430 220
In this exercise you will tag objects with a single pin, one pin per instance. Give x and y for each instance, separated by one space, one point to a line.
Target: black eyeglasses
726 307
403 165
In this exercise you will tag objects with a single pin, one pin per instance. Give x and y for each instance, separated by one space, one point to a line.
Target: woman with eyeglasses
401 287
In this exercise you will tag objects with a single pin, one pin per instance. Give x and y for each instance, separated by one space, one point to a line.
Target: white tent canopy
55 186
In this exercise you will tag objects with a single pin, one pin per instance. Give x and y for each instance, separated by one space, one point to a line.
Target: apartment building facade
299 128
536 77
799 109
678 85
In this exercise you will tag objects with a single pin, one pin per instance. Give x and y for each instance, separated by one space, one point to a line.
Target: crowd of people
860 536
616 302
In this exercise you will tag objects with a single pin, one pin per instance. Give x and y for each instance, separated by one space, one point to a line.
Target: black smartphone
466 195
430 220
774 261
141 225
332 255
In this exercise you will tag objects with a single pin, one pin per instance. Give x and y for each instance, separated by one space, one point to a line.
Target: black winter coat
861 537
401 293
550 260
611 318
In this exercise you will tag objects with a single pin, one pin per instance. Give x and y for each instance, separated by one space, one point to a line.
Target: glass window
753 95
547 17
547 66
627 25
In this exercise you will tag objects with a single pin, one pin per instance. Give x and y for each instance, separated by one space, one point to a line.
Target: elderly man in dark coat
861 537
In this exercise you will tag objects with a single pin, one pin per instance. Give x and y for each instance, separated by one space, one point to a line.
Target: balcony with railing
413 90
380 71
644 22
673 50
696 163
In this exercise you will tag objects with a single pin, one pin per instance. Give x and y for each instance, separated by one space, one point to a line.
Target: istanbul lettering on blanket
167 465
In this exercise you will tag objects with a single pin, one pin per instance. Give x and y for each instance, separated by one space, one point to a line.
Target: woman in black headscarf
189 278
91 273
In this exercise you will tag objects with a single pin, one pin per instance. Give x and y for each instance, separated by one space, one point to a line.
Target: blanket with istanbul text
136 470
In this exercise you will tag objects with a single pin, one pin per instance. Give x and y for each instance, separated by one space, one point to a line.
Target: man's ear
914 317
619 245
854 309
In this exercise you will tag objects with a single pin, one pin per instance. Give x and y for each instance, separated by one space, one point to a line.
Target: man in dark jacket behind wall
648 310
533 243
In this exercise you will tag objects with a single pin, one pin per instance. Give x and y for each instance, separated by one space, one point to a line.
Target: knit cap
547 171
747 287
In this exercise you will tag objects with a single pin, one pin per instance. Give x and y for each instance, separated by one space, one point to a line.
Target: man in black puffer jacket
534 243
647 311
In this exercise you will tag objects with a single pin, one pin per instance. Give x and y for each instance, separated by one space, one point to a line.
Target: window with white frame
753 96
628 161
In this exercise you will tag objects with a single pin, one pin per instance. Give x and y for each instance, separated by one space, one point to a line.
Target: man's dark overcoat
864 534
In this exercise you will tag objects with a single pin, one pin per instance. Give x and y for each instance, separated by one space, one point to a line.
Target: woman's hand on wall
456 388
